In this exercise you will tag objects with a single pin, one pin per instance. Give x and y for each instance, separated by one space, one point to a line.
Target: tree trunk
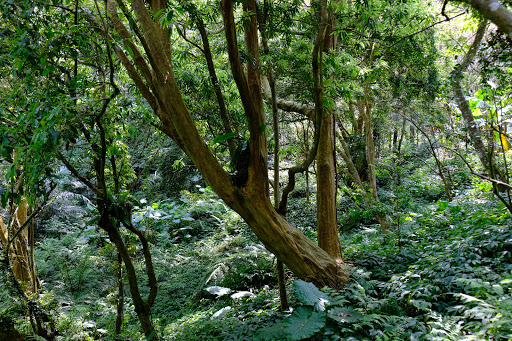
327 219
365 111
475 134
224 114
326 191
249 195
281 279
19 250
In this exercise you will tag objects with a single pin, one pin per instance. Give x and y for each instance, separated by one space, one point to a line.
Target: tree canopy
145 111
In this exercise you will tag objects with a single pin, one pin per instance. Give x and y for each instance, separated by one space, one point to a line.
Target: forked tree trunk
248 195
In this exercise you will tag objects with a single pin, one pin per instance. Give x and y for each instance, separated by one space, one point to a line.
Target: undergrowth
443 273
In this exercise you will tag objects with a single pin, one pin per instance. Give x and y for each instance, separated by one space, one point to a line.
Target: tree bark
326 191
365 111
327 219
281 279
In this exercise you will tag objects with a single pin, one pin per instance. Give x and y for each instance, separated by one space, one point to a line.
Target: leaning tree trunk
248 192
475 134
495 12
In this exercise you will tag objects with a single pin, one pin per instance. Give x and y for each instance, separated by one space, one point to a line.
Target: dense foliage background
110 232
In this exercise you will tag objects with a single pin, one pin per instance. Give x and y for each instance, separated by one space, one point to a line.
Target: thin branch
77 174
182 34
481 176
425 29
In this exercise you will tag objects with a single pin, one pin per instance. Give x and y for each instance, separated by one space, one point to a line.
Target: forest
255 170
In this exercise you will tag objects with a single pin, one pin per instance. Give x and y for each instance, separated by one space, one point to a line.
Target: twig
481 176
426 28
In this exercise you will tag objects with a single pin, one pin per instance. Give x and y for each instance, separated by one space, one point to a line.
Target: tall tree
326 170
247 192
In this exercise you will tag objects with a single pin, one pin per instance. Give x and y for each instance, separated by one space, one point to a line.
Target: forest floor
443 273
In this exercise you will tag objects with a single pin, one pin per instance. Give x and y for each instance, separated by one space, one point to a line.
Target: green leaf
262 128
158 13
170 16
309 294
130 51
442 205
47 70
498 289
304 323
223 137
275 332
345 315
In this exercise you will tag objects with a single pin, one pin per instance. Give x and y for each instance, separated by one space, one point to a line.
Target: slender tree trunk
365 111
439 163
275 123
475 133
142 309
120 295
224 114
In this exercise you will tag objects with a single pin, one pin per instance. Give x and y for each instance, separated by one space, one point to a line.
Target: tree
247 192
71 118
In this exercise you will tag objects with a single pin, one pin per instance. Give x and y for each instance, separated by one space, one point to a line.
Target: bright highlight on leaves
309 294
223 137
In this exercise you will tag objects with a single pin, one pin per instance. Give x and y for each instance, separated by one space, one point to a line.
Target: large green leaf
304 323
274 332
345 315
223 137
309 294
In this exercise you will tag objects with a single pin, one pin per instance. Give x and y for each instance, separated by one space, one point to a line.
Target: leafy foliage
444 271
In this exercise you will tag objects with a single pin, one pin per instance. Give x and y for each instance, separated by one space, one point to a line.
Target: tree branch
495 12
